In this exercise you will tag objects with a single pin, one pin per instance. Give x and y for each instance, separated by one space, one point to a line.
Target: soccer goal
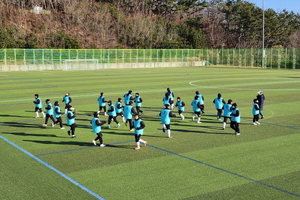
80 64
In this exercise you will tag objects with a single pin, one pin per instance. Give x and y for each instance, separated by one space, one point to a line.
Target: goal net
80 64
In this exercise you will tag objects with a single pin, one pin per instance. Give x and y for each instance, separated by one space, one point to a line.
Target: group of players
131 117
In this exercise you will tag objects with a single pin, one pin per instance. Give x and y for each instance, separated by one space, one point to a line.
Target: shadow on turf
13 116
77 143
22 125
29 134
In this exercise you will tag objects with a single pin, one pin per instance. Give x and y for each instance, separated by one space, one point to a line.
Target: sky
278 5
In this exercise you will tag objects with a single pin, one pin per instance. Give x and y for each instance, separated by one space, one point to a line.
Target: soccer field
200 161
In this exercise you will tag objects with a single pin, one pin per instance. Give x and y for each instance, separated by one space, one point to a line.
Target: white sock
164 126
37 114
181 115
43 114
141 140
224 124
169 132
199 119
138 144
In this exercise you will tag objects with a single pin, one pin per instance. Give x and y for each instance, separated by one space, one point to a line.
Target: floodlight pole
263 34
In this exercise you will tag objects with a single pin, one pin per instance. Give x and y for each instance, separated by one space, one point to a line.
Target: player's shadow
77 143
22 125
13 116
30 134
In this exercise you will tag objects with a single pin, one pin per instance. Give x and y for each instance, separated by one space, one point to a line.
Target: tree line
145 24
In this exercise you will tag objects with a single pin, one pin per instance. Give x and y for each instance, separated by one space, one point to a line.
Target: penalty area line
54 169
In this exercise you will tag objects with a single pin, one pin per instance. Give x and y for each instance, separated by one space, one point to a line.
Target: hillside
145 24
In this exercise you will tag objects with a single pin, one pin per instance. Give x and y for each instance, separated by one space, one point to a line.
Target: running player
165 117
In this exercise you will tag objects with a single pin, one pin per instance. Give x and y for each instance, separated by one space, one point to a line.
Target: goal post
80 64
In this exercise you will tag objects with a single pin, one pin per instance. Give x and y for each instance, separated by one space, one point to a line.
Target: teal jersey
218 103
166 100
254 111
127 112
66 99
200 99
137 101
127 98
195 105
38 105
171 95
118 110
179 105
165 116
113 113
56 115
49 112
70 121
101 101
137 124
227 110
95 127
237 118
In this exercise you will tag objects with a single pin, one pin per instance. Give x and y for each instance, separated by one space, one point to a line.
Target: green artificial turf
200 161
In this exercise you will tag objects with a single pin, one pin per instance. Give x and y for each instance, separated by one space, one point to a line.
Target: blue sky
279 5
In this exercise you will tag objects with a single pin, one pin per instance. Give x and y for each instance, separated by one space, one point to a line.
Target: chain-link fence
74 59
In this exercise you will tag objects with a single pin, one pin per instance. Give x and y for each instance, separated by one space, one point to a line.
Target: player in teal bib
227 112
128 97
219 102
57 114
196 108
112 115
138 103
119 109
167 99
49 113
235 119
201 101
171 95
255 112
128 112
165 117
67 99
96 127
139 126
102 103
70 117
180 105
38 106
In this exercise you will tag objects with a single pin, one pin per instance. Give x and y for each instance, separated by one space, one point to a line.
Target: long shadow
19 116
77 143
22 125
30 134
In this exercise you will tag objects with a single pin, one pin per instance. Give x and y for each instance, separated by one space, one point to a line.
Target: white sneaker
44 124
62 128
199 122
254 123
237 133
193 118
257 123
118 125
52 124
94 142
102 145
105 114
